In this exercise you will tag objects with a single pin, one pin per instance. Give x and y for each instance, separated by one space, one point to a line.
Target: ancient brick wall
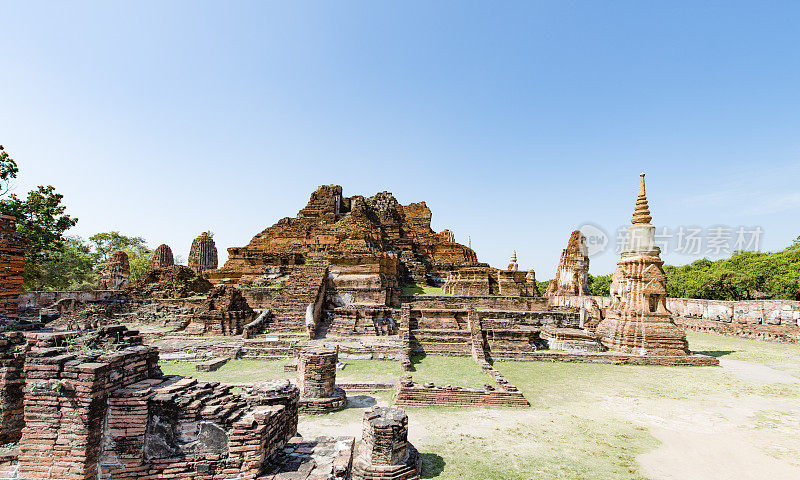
65 404
487 302
772 333
756 312
613 358
363 320
12 260
12 381
110 414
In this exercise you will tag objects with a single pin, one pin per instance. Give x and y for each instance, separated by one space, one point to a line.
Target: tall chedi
638 321
203 254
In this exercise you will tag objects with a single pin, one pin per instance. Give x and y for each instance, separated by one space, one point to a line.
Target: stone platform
321 458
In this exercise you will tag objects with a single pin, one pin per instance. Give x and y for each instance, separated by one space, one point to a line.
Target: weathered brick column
316 377
12 380
12 258
384 451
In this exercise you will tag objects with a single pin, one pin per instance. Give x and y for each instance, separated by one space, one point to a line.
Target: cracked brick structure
162 257
370 244
12 264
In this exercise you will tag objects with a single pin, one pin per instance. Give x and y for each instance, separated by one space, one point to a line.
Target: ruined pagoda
638 321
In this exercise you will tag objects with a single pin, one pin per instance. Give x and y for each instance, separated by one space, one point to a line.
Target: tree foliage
71 267
42 218
743 276
104 244
600 285
8 171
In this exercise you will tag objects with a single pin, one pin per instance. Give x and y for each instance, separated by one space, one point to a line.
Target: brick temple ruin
83 397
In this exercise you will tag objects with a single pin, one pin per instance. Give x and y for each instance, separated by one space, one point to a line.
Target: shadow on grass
416 360
432 465
714 353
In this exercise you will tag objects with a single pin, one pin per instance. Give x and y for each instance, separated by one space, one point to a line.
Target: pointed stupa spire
512 264
469 241
641 214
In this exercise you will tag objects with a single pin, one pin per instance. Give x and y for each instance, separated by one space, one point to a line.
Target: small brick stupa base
316 377
384 452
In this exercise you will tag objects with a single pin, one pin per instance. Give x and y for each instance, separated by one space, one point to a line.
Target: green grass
441 370
369 370
235 371
414 289
550 446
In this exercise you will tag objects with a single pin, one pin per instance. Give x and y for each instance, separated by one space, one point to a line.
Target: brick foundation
384 451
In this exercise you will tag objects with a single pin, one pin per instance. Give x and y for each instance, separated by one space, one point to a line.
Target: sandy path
722 440
753 372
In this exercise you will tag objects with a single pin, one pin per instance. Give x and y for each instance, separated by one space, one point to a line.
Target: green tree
542 286
139 255
41 217
104 244
743 276
69 268
8 171
600 285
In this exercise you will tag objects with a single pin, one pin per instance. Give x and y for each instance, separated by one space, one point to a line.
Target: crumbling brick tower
572 275
384 452
203 254
162 257
638 321
117 273
12 265
316 377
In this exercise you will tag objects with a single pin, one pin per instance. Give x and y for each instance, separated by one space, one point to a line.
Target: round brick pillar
316 372
384 451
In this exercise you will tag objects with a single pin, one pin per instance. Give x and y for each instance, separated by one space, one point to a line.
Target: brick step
285 351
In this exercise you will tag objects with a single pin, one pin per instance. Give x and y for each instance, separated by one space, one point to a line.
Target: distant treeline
743 276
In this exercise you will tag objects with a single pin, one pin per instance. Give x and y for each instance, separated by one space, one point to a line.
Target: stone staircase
303 287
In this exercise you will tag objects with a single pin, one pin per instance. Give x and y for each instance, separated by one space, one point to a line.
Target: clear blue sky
516 122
